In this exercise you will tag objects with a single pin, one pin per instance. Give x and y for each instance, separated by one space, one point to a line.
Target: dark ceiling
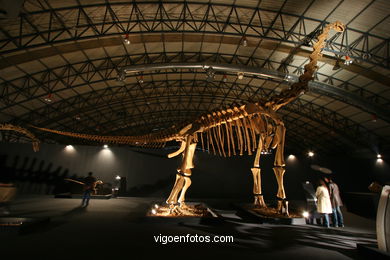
60 62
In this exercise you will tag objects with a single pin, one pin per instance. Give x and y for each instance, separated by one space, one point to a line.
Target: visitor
337 216
89 186
324 205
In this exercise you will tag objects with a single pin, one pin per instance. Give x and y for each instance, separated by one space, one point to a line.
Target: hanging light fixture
348 60
374 118
240 75
141 79
244 41
48 98
126 39
224 78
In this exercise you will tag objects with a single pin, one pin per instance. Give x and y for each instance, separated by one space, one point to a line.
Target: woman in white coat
324 205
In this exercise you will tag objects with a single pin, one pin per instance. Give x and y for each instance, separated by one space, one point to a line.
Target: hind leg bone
279 169
256 172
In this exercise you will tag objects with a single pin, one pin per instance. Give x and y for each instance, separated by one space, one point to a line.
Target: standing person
324 205
89 186
335 199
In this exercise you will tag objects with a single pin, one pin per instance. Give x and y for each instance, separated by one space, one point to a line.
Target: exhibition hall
202 129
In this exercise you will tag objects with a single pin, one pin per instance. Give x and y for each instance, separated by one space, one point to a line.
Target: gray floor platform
246 211
116 228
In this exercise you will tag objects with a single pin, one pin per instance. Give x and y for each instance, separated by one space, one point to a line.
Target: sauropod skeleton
252 128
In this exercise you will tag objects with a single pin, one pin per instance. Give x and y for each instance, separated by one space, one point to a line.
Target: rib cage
238 133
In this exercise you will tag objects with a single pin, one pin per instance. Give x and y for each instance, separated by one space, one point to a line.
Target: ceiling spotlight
126 39
224 78
378 156
141 79
77 117
105 146
48 99
374 118
244 41
347 60
117 177
240 75
310 154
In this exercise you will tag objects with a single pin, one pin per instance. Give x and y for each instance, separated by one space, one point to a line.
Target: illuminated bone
259 199
238 126
187 184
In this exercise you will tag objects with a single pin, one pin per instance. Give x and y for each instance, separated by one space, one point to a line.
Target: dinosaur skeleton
251 128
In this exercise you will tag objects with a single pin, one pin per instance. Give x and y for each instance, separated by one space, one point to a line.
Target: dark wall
104 163
150 173
355 173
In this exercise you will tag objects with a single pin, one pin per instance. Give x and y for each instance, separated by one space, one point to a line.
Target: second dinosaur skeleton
250 128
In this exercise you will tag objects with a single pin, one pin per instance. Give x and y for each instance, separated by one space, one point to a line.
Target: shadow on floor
273 238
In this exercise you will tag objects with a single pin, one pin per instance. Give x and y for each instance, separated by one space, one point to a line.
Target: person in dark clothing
89 186
337 216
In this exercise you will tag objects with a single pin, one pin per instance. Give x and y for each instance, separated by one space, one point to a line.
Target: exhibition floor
117 228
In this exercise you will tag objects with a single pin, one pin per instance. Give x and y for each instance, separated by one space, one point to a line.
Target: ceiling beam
141 18
314 86
174 38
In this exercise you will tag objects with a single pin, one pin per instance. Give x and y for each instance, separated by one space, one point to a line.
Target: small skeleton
251 128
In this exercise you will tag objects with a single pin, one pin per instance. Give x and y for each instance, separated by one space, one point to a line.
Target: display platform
194 213
17 225
269 215
80 196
